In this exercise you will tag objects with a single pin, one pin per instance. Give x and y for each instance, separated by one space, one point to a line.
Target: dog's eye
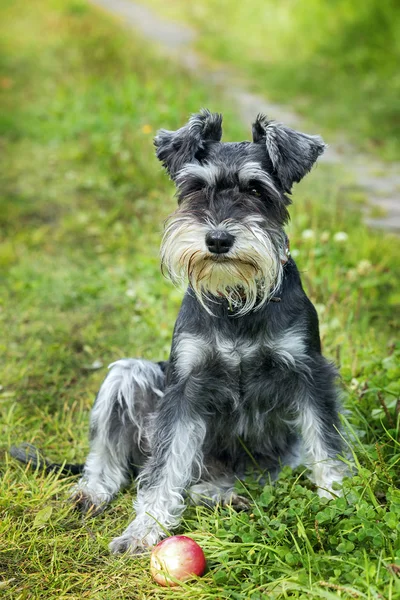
255 192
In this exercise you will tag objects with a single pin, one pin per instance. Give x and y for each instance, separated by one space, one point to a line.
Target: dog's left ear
292 153
188 144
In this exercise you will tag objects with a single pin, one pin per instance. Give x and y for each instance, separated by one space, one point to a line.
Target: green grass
334 62
82 204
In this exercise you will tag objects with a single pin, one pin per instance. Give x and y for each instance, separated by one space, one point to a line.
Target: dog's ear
177 148
292 153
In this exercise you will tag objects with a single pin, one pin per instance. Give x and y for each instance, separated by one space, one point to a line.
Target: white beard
247 276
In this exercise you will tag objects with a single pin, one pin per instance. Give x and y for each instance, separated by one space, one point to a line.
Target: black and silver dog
245 376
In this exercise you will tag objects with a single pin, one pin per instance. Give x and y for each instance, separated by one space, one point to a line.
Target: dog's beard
247 276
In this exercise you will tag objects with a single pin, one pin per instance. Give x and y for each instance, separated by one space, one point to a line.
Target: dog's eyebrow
207 172
253 171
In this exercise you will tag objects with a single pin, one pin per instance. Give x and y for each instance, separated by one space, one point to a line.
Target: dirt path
379 181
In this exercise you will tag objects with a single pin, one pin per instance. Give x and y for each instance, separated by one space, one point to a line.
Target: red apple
178 556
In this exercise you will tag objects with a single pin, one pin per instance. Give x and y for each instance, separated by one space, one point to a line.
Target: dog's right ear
292 153
177 148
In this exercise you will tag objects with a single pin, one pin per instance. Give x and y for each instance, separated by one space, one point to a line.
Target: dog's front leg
319 426
175 460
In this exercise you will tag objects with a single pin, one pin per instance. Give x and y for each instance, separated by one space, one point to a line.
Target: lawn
83 201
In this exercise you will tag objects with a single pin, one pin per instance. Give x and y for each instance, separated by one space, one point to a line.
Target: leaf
266 498
345 546
43 516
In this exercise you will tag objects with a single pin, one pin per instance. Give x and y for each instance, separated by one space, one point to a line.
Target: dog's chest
240 356
235 353
248 382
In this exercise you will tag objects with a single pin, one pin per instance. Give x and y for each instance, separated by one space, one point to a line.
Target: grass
335 63
83 200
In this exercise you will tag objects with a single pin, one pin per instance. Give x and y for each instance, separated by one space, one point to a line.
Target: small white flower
340 236
308 234
130 293
295 252
363 267
352 275
354 384
96 364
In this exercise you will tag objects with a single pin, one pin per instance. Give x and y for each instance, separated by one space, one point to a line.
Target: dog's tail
32 456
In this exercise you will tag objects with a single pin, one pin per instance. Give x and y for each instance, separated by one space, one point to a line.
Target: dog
245 380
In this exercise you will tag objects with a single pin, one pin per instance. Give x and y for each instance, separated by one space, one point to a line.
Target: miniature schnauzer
245 380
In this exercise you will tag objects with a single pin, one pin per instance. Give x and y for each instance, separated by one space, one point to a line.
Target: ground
83 202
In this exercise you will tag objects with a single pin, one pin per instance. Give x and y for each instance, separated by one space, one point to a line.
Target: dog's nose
219 241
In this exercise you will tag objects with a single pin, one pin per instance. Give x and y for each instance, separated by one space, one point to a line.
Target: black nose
219 241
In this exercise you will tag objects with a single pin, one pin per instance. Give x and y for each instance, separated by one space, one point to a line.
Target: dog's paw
86 503
139 537
126 543
328 478
90 500
237 502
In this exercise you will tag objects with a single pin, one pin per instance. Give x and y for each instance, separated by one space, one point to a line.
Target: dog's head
226 237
